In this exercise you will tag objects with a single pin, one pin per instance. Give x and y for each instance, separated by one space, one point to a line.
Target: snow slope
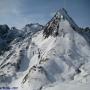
55 57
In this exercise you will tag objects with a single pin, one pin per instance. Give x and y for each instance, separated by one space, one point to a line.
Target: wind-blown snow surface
56 62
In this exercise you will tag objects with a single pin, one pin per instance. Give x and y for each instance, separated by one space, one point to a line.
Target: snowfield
53 57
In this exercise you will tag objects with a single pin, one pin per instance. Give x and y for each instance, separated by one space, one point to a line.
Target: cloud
9 7
13 13
10 12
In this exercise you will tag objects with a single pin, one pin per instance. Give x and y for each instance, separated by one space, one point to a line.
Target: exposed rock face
42 57
52 26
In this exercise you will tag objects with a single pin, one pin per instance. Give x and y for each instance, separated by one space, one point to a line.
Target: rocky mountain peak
53 25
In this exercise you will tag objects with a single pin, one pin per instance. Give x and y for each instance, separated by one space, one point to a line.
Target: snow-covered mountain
51 57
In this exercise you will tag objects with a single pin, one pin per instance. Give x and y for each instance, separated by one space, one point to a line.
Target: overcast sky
20 12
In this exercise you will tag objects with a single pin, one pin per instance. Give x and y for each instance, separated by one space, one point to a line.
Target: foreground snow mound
49 57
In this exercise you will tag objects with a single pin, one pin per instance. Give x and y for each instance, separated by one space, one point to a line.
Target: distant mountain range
51 57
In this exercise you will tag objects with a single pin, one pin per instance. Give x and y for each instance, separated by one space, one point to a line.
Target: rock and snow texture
53 57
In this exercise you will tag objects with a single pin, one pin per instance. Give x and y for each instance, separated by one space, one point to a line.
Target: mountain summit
51 57
54 24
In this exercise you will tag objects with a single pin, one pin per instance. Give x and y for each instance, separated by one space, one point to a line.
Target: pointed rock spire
52 26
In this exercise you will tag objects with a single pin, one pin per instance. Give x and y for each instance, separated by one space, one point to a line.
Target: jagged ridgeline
7 35
4 29
53 25
40 57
